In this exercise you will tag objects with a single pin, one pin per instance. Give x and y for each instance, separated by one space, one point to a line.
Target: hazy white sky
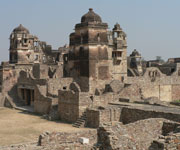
152 26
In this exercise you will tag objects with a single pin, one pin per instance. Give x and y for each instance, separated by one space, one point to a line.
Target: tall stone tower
89 57
93 59
21 46
119 53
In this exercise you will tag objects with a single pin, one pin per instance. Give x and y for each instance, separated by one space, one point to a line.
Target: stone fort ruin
86 82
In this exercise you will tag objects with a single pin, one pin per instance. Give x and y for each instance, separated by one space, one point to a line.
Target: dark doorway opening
28 100
28 96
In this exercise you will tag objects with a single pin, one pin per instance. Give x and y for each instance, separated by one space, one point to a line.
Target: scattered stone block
84 140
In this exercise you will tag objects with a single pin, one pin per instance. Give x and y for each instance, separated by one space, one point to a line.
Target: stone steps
81 121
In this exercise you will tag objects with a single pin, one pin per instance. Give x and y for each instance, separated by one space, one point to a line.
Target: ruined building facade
93 70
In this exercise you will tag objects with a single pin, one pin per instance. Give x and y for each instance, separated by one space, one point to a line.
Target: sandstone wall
1 100
42 104
129 115
126 115
68 107
103 100
170 138
56 84
96 117
72 104
9 82
137 136
175 92
153 84
93 118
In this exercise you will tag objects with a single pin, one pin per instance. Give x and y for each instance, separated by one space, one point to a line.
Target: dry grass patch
19 127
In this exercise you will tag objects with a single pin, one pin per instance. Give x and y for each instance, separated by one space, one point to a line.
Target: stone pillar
32 94
19 90
25 97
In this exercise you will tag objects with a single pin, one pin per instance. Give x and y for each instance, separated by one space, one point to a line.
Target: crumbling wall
56 84
9 84
33 146
42 104
83 83
36 70
138 135
84 102
10 77
68 106
45 71
101 115
1 100
72 104
153 84
176 92
170 138
58 138
129 115
103 100
96 117
93 118
131 92
169 142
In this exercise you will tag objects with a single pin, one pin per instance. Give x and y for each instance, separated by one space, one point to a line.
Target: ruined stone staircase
81 121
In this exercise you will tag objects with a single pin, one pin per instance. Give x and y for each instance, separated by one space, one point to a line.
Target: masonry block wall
161 86
96 117
99 116
68 106
72 105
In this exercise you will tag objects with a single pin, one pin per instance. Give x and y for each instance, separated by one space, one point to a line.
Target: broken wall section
72 105
60 138
126 114
153 84
138 135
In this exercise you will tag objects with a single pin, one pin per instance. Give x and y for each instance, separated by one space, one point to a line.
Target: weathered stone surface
134 136
129 113
65 138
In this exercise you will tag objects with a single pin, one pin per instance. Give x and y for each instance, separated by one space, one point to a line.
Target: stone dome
135 53
21 29
91 16
117 27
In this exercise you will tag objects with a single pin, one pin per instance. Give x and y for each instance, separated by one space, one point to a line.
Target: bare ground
19 127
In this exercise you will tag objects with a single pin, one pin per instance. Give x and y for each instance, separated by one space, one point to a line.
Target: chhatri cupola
91 16
21 45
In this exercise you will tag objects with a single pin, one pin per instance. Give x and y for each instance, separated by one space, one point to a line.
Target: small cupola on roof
91 16
117 27
21 29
